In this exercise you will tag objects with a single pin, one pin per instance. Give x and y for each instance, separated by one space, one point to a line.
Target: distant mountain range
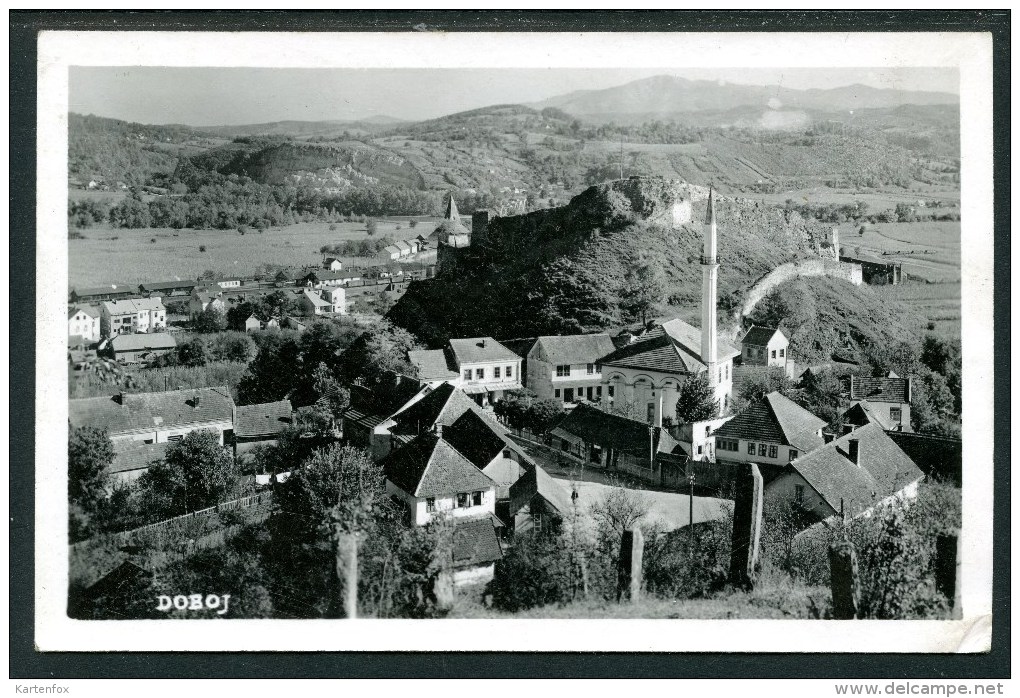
305 129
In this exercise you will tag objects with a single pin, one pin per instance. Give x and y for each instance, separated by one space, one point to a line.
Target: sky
231 96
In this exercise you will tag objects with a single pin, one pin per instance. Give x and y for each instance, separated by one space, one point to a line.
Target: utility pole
690 512
621 155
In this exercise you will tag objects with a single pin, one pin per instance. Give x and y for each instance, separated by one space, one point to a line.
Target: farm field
125 255
929 250
940 303
877 200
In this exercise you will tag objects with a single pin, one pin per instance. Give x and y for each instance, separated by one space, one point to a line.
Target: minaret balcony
709 260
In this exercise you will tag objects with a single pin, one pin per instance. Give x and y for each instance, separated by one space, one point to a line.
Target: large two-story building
486 368
83 321
566 368
132 315
772 431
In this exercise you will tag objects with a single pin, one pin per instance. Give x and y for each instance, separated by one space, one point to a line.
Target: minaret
709 283
452 214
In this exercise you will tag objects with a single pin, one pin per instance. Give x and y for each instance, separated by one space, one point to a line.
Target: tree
371 226
271 374
333 397
771 310
196 472
211 319
89 456
193 353
756 385
643 289
821 394
541 415
696 400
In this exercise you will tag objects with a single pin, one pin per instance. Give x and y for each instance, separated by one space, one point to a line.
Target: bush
528 575
201 248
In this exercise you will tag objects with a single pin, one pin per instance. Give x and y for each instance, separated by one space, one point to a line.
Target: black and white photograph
479 339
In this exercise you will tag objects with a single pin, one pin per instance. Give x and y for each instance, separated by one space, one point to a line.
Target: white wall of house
84 325
485 373
792 487
159 435
653 395
775 453
894 413
775 354
132 321
573 381
446 504
699 437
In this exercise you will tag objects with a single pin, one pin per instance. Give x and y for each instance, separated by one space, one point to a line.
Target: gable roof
431 364
315 299
475 543
133 305
884 470
141 342
111 289
474 438
672 347
428 466
592 425
441 406
135 455
776 419
858 414
167 285
538 481
164 410
89 310
266 419
883 389
574 349
760 336
480 350
391 249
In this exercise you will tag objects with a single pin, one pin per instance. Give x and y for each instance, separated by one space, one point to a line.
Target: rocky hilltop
561 270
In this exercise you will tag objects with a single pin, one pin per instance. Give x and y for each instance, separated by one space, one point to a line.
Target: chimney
854 450
438 430
482 343
907 391
828 437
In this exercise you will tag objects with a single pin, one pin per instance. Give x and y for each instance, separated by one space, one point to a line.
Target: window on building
495 372
147 441
896 414
509 371
479 373
562 370
773 451
793 455
750 448
651 412
506 452
720 374
430 504
476 499
467 374
708 430
463 500
590 392
773 353
557 392
762 449
611 390
727 371
782 353
598 392
701 450
536 519
798 493
590 369
565 445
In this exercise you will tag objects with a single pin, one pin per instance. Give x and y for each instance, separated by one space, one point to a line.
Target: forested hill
563 270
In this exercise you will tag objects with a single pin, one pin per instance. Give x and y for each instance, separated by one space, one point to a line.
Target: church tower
709 284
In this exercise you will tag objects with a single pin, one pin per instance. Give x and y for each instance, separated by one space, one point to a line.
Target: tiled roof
479 350
672 347
475 543
504 472
135 455
105 290
575 349
165 410
857 415
474 438
880 389
538 481
451 228
428 466
938 456
775 419
884 470
315 299
442 406
431 364
166 285
142 342
89 310
391 249
266 419
132 305
521 346
760 336
592 425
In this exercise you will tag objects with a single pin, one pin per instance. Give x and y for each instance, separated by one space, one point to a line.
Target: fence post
347 570
628 584
947 570
843 580
747 506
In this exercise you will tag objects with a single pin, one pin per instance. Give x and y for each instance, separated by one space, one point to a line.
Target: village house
157 417
772 432
369 418
645 375
433 366
176 288
874 270
320 278
253 323
391 252
849 476
766 346
83 322
135 348
203 298
888 399
487 369
332 264
428 477
131 460
132 315
566 368
538 503
103 293
404 247
311 304
593 437
229 282
260 424
336 296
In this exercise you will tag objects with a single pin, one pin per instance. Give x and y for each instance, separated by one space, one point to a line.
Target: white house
766 346
313 304
202 299
336 296
229 282
487 369
83 321
157 417
566 368
850 475
888 397
132 315
772 431
332 264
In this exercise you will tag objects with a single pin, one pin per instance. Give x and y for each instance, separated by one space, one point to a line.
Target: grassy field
940 303
130 256
929 250
877 200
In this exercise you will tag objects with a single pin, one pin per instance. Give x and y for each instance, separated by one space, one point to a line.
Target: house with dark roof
766 346
433 367
566 368
538 502
772 431
97 294
487 369
157 417
131 460
597 438
319 278
136 348
645 374
888 397
260 424
168 288
369 418
203 298
476 550
849 476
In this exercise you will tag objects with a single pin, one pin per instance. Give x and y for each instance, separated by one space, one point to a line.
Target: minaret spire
709 288
451 210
